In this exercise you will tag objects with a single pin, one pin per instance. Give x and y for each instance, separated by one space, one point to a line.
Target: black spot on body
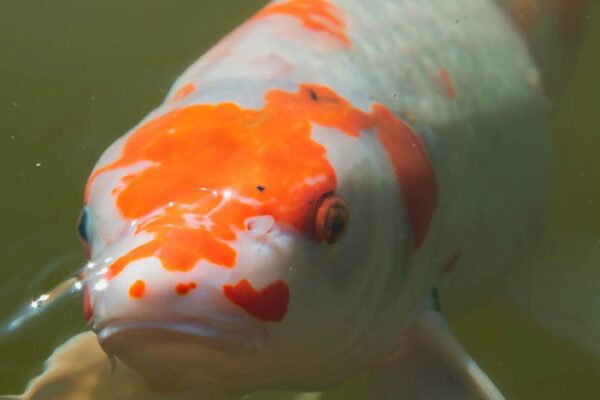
313 95
260 188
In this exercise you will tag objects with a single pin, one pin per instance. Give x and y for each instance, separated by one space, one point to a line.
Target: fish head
238 246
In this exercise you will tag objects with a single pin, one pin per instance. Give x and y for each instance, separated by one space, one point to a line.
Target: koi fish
284 219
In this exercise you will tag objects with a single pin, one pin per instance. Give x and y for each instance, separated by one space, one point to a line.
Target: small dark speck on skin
313 95
260 188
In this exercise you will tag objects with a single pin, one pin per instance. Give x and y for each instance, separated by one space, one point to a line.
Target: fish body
307 99
282 219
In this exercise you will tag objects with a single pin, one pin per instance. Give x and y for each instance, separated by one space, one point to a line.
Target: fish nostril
260 225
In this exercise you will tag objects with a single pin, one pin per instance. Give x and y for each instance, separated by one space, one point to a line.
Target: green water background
75 75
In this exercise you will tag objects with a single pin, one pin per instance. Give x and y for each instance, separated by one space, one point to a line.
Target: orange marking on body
209 168
316 15
185 288
450 264
183 92
413 170
137 289
267 304
447 82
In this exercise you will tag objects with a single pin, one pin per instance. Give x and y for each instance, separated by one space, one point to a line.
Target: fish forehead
227 163
227 136
211 167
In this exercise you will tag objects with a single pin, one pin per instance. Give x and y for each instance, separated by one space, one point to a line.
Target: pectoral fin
430 364
80 370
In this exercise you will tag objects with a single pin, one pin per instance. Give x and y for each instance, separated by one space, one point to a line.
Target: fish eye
332 219
83 229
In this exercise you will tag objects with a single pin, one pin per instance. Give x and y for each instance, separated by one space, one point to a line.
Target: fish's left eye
332 219
83 228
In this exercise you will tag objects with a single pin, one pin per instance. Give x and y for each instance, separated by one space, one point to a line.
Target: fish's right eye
83 226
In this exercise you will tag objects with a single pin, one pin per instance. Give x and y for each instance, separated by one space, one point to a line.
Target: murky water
75 75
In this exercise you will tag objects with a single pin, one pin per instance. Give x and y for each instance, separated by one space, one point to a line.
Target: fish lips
179 355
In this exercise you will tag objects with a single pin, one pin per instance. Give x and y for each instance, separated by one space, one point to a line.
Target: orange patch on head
447 83
268 304
185 288
201 184
137 289
183 92
316 15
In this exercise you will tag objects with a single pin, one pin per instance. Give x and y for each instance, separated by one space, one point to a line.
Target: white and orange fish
282 220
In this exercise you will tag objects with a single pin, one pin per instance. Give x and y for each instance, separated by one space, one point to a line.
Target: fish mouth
213 335
175 355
